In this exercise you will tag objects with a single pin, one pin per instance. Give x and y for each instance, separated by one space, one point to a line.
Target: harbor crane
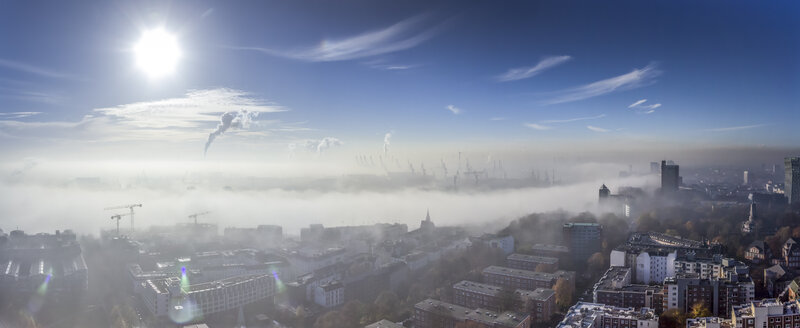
119 217
195 215
129 206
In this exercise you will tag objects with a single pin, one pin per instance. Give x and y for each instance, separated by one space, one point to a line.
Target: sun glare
157 53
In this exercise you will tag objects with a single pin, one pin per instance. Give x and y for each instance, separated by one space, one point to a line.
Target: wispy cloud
16 115
597 129
634 79
195 109
207 13
31 69
497 119
520 73
574 119
27 95
400 36
737 128
455 110
186 118
641 108
536 126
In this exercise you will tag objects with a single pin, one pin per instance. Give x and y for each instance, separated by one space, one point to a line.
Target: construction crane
129 206
195 215
119 217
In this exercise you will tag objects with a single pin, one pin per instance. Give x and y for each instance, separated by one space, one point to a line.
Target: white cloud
497 118
187 118
455 110
574 119
537 126
16 115
737 128
597 129
195 109
634 79
642 108
520 73
400 36
22 67
319 146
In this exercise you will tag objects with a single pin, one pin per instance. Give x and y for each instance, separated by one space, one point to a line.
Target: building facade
532 262
437 314
792 179
592 315
518 279
584 239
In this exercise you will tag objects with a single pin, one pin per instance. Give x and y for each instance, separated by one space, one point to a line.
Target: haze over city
493 120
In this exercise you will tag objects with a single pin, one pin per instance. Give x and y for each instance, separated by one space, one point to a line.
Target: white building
593 315
505 243
168 298
330 294
649 266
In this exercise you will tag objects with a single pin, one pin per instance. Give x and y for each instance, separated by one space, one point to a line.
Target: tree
385 304
671 318
564 292
700 310
331 319
596 264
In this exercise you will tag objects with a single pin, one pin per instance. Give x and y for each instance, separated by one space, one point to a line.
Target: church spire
428 215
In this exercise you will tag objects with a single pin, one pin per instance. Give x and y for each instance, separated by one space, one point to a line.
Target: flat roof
508 319
494 269
532 258
539 294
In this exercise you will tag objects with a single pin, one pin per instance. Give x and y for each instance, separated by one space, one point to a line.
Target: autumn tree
564 293
671 318
596 264
700 310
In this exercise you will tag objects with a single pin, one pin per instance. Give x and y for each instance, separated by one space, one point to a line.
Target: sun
157 53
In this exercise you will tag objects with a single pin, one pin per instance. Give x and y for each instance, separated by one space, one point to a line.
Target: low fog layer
40 198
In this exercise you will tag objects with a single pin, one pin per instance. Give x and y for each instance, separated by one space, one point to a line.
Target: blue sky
323 74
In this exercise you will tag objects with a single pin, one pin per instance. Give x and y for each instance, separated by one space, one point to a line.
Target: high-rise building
745 177
584 239
792 184
604 193
670 177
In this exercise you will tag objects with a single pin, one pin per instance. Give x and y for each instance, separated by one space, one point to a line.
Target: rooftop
584 314
519 273
550 248
532 258
384 324
507 319
477 287
540 294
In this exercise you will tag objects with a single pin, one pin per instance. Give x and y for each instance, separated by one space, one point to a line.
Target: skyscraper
746 178
670 177
604 193
792 184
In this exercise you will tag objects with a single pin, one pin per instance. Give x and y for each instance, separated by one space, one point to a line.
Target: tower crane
119 217
129 206
195 215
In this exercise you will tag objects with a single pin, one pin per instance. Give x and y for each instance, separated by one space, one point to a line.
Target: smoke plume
228 120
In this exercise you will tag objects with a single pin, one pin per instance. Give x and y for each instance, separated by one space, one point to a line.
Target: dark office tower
792 184
583 239
604 192
670 177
